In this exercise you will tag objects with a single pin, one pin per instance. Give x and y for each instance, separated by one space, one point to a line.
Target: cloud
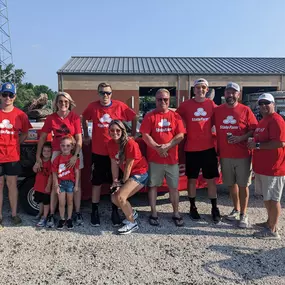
106 119
200 112
164 123
6 124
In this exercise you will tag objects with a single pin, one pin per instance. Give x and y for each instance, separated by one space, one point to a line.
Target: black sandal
178 221
153 221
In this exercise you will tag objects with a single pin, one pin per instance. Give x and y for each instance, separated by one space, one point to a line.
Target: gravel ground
199 253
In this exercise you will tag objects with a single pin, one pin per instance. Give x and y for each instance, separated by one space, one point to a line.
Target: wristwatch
257 145
77 155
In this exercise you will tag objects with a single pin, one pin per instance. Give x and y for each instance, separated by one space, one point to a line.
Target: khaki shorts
236 171
271 186
57 152
157 172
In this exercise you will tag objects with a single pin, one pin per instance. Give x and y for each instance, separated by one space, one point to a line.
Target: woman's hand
76 188
56 188
38 165
71 163
47 189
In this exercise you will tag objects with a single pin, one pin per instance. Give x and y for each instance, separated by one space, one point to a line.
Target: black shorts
101 170
10 168
40 197
206 160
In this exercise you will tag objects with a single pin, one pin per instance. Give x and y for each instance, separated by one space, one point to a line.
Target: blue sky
45 34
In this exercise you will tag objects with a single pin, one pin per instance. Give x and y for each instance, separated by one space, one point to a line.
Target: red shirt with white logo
11 124
101 117
162 127
238 121
64 173
270 162
132 151
197 117
70 125
42 177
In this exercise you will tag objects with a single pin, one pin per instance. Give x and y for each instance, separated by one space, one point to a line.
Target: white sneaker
233 216
267 234
128 228
135 216
243 222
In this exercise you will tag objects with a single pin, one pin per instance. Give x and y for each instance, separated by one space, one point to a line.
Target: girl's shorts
66 186
140 178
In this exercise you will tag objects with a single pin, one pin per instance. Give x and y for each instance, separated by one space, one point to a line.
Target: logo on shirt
229 121
259 130
200 113
64 130
163 126
105 121
61 170
6 125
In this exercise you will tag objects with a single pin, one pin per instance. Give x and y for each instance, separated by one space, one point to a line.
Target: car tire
26 195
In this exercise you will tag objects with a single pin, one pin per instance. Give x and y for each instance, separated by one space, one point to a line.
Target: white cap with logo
233 85
201 81
267 97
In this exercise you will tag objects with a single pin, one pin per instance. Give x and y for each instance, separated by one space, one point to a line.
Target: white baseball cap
233 85
267 97
201 81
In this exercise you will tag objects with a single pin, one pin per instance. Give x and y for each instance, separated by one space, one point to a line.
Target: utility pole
6 57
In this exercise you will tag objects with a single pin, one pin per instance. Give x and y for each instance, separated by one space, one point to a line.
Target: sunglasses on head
165 100
8 94
115 131
102 93
261 103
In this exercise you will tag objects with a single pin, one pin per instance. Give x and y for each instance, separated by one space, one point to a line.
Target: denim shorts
66 186
140 178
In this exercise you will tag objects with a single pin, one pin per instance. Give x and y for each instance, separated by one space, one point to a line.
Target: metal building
135 79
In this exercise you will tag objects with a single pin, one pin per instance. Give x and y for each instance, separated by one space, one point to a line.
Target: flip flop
153 221
178 221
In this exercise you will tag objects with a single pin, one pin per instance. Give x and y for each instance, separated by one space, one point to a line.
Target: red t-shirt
132 151
270 162
162 127
64 173
101 117
238 121
197 117
42 177
70 125
11 124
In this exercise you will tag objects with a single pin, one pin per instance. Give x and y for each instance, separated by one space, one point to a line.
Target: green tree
24 96
38 89
10 74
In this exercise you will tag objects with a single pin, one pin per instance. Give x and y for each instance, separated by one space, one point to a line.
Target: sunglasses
201 87
261 103
115 131
165 100
102 93
66 145
8 94
63 102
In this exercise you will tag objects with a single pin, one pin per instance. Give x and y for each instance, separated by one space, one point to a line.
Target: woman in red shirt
126 155
61 123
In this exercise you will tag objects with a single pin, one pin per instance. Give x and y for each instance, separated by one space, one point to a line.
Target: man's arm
23 137
238 139
175 141
150 141
86 137
267 145
134 126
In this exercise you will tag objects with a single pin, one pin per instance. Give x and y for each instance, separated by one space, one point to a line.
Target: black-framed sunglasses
165 100
102 93
261 103
8 94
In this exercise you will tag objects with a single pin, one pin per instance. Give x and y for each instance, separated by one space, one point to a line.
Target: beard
231 101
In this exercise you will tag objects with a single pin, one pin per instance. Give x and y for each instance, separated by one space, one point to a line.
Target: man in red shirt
162 131
200 152
102 112
269 163
234 124
14 126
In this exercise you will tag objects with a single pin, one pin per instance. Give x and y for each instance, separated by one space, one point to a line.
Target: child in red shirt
43 184
65 180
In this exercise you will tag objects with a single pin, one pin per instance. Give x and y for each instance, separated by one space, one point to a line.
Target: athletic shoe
135 216
233 216
115 217
267 234
128 228
37 217
262 225
42 223
50 221
78 219
60 224
69 224
216 216
243 222
16 220
95 219
194 215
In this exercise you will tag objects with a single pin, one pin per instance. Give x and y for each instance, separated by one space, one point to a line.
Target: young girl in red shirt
65 180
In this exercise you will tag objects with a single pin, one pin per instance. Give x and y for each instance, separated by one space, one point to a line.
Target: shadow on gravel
246 263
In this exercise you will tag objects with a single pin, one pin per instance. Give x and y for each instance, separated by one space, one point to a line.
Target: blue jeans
140 178
66 186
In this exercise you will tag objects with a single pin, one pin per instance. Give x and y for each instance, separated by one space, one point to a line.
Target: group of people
228 134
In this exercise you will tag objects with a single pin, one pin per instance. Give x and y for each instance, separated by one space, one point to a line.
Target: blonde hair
65 95
162 90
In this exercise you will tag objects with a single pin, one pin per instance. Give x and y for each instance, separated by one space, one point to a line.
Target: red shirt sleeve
111 151
26 125
277 130
47 128
252 121
145 127
127 113
179 126
77 125
180 110
55 164
132 150
87 113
